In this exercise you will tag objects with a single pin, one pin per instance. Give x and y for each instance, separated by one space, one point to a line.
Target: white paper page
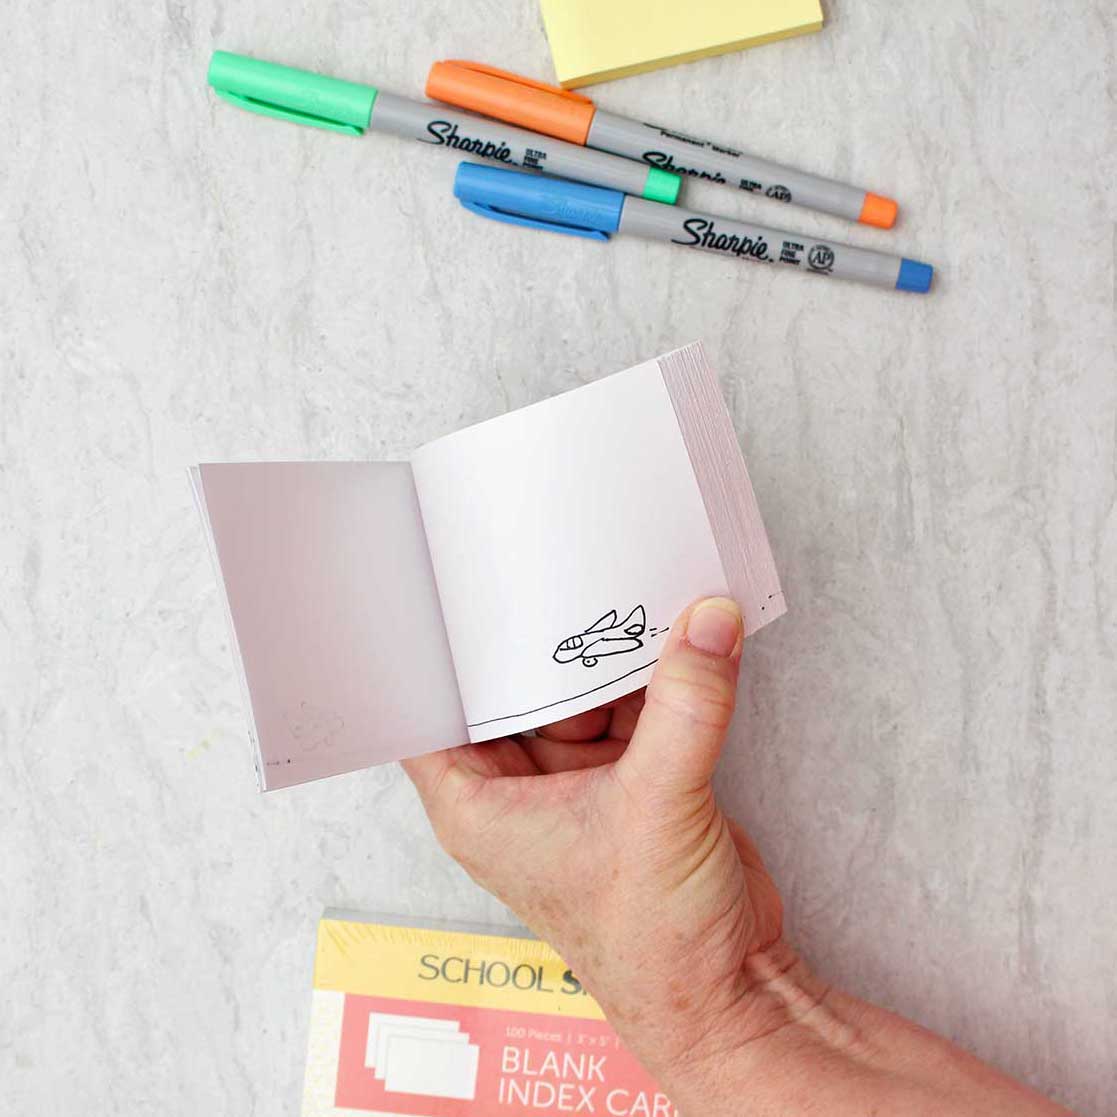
581 512
432 1068
335 614
386 1020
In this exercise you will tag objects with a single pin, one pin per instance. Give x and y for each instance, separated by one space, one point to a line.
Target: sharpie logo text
701 232
664 161
445 133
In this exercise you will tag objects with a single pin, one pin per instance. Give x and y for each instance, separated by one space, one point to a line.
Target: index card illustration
381 1022
432 1067
422 1055
606 636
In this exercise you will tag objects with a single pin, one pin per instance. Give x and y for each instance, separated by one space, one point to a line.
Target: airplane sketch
605 637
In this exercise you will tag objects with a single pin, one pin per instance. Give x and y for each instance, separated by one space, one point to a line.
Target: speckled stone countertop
926 748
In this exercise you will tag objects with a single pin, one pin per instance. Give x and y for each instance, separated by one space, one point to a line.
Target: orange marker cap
879 211
531 104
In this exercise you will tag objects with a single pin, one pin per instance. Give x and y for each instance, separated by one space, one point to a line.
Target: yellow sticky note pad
597 40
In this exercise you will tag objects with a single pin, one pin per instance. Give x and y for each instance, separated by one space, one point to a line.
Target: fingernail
714 626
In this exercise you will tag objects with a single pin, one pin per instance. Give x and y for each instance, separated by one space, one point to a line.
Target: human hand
602 834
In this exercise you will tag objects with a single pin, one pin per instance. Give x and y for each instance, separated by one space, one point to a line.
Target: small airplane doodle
312 726
606 636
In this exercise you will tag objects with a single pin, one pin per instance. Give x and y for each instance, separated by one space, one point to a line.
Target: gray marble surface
926 746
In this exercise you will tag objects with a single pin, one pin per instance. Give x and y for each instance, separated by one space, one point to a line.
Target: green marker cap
290 94
662 186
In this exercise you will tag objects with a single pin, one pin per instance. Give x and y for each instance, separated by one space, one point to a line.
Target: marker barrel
701 159
761 244
470 135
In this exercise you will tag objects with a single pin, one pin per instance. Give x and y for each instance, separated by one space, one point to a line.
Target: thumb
689 701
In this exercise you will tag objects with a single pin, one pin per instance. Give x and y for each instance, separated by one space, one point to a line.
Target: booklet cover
517 572
411 1021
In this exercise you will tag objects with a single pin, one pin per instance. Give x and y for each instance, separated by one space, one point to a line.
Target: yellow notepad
597 40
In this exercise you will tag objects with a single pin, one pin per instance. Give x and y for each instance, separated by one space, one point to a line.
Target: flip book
511 574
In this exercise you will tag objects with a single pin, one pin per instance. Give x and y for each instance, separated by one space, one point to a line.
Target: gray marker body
659 147
742 241
491 139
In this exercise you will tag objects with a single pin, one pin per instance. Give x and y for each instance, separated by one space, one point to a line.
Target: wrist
779 1014
796 1046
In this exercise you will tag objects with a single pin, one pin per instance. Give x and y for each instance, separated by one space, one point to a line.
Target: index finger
588 726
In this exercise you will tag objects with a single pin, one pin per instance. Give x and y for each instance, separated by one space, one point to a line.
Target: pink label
418 1059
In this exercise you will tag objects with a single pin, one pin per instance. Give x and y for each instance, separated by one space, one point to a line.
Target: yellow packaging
410 1021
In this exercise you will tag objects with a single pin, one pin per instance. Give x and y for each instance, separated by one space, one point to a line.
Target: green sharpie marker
344 106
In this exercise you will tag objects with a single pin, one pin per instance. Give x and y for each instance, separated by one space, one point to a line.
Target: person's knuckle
694 692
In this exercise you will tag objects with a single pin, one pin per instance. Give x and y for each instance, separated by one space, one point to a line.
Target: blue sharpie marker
558 206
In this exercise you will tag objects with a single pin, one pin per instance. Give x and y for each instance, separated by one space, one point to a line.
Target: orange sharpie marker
568 116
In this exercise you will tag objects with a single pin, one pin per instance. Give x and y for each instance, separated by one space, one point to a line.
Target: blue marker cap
914 276
524 198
